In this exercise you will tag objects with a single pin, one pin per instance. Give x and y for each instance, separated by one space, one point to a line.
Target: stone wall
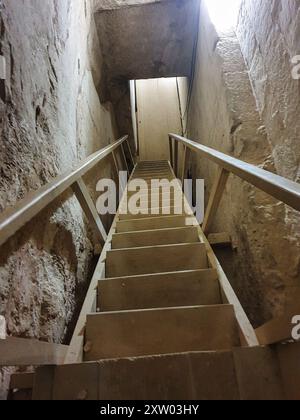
269 35
50 118
223 114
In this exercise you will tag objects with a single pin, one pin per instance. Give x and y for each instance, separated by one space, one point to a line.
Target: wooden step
258 374
180 288
185 235
153 164
153 176
157 259
153 202
164 222
149 174
111 335
154 192
146 204
170 377
157 212
187 376
289 361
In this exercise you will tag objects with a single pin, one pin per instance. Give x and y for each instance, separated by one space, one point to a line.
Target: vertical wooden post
89 208
121 185
176 158
130 153
115 163
171 151
124 157
185 158
215 199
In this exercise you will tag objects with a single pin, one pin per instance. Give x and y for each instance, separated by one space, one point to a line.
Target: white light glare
223 13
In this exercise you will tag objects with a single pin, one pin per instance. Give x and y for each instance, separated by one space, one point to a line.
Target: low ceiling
116 4
147 39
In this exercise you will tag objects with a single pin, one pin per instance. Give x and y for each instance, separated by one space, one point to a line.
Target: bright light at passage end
223 13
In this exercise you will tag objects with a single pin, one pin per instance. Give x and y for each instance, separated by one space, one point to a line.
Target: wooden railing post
176 158
122 186
130 153
171 151
125 159
186 155
115 163
215 198
86 202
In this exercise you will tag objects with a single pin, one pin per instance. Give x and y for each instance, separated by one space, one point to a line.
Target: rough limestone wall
50 118
223 115
269 34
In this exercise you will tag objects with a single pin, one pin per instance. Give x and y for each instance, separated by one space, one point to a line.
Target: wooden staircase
163 326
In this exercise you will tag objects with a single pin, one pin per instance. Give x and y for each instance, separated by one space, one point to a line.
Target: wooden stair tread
240 374
156 259
160 331
157 212
154 223
164 377
187 234
186 288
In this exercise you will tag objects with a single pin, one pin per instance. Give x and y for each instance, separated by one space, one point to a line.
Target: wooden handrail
14 218
278 187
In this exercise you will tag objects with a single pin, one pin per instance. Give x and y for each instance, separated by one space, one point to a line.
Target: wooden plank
180 288
43 384
215 198
130 153
184 164
155 203
153 189
113 335
278 329
219 239
289 361
258 374
149 179
116 166
278 187
176 159
26 352
13 219
154 223
197 376
171 151
155 237
86 202
146 172
152 167
158 259
125 159
156 212
77 382
155 166
21 380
